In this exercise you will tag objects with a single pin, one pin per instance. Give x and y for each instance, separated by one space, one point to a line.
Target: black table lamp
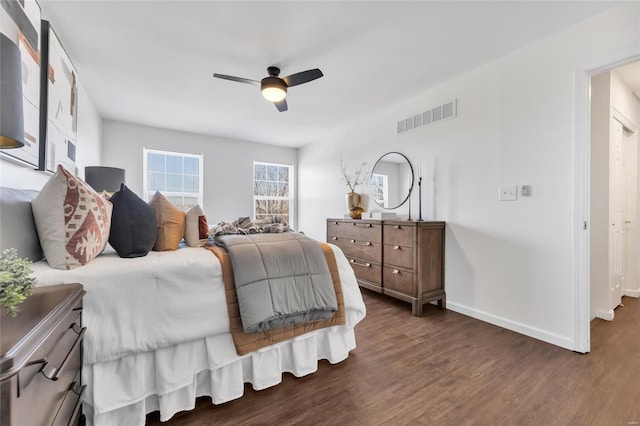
103 178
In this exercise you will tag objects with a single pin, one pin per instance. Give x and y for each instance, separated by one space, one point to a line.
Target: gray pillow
17 226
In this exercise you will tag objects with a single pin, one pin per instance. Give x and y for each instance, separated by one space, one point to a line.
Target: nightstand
41 358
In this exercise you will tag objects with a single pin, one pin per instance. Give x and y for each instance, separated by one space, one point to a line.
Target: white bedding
146 303
158 335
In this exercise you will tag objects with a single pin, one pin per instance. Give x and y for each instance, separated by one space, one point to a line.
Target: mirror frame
413 180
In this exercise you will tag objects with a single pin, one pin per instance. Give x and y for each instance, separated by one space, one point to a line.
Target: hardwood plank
446 368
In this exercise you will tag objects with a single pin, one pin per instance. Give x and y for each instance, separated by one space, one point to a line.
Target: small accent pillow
133 225
169 221
196 230
72 220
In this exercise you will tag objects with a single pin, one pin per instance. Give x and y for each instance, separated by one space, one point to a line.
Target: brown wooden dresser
401 258
41 359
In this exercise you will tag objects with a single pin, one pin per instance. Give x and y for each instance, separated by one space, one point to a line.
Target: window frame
291 198
148 193
384 189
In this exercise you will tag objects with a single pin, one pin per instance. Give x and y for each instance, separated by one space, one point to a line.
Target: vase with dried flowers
16 282
352 180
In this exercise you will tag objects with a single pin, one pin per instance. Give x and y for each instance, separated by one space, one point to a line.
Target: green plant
16 282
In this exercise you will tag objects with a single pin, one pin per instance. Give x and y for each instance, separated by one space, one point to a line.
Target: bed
158 333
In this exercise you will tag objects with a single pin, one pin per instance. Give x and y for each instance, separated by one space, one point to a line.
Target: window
380 189
177 175
272 191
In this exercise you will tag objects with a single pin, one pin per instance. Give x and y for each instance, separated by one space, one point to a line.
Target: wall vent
431 116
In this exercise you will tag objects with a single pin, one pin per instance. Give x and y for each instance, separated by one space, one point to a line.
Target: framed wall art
20 81
59 104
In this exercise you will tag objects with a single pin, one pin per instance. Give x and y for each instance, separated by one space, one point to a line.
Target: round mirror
391 180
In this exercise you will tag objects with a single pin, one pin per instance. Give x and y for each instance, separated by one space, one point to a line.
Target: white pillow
72 220
196 230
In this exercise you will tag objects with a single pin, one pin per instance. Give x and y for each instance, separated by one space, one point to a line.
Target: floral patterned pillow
73 221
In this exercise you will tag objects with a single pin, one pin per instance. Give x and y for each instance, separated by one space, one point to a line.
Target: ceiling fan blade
302 77
281 105
238 79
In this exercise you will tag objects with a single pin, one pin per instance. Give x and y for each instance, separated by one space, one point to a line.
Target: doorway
614 263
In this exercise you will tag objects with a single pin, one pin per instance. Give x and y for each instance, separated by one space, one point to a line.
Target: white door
617 214
630 147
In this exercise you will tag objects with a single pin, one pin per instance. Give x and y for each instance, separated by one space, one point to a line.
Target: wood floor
446 368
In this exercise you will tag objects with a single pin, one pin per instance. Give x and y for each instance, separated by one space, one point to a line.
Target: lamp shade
11 112
273 89
103 178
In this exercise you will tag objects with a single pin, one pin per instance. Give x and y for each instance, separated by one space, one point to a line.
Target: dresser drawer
39 402
53 349
401 256
399 280
399 235
41 357
70 409
356 230
366 250
366 271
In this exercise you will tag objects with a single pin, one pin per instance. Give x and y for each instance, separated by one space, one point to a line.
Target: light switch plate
508 193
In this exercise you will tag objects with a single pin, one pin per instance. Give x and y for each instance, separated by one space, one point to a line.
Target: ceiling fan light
274 89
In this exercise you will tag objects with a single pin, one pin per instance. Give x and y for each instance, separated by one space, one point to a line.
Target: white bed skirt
121 392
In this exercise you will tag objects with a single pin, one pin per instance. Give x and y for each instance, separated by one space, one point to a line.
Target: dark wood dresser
41 359
401 258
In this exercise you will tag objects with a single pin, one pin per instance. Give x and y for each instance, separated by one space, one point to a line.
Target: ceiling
152 62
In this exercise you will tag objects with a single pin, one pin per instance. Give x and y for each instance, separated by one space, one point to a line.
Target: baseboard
606 315
631 293
518 327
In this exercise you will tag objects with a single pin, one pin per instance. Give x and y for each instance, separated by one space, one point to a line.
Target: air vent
429 117
408 123
437 113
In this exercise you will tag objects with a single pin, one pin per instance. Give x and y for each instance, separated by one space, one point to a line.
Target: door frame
581 191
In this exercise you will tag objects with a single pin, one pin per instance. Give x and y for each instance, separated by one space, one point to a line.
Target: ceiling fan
275 88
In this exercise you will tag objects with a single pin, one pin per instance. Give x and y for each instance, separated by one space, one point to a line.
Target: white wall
89 133
228 164
88 149
509 263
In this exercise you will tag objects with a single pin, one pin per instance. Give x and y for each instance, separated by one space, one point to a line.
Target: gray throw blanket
244 225
281 279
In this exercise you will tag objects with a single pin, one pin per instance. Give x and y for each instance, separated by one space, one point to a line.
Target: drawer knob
334 238
396 226
396 247
395 271
365 243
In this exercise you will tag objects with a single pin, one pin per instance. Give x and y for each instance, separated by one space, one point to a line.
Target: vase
353 200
